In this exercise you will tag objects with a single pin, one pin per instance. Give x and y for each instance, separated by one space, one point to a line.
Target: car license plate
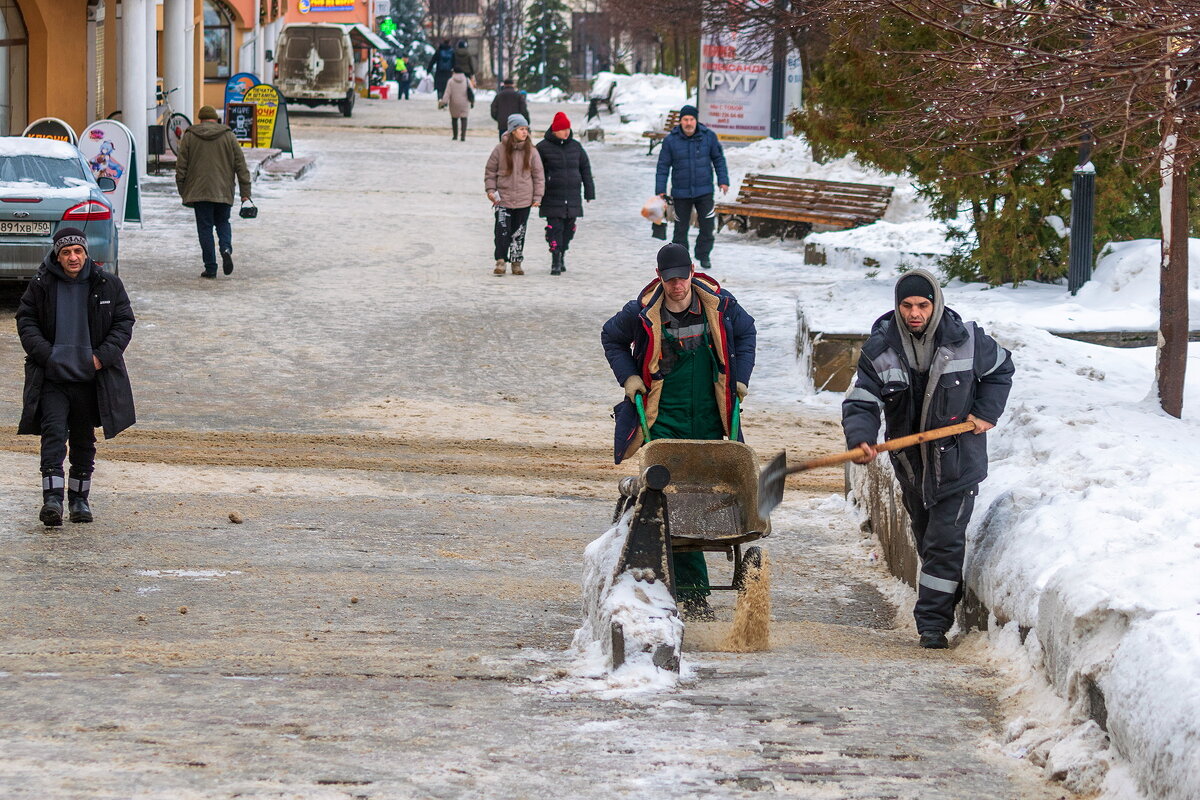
23 228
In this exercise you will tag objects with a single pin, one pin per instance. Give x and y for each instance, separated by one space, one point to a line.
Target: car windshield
59 173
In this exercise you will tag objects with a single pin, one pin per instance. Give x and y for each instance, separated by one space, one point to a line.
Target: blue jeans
208 216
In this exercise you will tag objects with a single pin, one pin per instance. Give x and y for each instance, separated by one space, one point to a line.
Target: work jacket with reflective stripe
970 374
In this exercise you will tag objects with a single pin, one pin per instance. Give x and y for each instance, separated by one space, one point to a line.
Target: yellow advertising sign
266 99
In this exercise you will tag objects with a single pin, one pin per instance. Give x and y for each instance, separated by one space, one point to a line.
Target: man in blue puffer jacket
689 155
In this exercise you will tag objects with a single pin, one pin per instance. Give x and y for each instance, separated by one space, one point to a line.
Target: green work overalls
687 409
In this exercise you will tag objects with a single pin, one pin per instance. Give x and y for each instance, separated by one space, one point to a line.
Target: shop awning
362 36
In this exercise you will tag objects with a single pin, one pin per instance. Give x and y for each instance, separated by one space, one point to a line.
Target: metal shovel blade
770 485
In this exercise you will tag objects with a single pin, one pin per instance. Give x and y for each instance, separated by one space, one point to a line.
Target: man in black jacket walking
568 170
508 101
925 368
75 322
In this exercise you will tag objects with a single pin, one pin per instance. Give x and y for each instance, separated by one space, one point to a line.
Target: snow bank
645 611
1123 294
642 102
1087 534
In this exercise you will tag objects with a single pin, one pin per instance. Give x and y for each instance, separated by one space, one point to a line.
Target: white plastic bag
655 209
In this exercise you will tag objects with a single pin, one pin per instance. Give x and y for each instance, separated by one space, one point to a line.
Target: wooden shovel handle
882 447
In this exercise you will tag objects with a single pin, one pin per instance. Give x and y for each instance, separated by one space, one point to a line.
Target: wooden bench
656 137
779 206
606 100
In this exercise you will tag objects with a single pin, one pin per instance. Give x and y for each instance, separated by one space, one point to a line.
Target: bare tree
1015 80
504 25
674 24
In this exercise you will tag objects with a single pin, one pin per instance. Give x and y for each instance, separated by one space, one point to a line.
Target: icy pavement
420 453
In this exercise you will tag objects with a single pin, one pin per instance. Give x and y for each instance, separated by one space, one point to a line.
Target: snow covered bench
656 137
774 204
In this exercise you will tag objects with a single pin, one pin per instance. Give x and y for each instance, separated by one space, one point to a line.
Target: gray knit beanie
516 121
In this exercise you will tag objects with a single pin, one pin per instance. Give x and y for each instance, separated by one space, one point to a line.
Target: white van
314 65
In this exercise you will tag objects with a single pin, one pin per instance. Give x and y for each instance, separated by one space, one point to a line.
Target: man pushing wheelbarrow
683 350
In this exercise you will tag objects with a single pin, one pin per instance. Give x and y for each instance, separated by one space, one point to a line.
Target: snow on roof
22 146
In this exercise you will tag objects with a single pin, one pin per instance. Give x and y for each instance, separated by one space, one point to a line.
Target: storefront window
13 60
218 41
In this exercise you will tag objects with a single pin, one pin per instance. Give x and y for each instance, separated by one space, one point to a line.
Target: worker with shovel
925 368
684 348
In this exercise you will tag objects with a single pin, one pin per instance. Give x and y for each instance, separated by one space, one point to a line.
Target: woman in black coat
567 171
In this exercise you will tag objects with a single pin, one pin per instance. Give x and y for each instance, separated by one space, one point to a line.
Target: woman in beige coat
458 98
514 182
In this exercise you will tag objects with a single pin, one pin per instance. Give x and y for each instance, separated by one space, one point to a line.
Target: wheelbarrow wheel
750 563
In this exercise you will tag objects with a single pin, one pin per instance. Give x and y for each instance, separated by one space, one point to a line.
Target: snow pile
1122 295
642 101
645 611
551 94
1086 535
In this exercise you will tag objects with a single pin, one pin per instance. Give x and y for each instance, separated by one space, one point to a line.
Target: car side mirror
106 184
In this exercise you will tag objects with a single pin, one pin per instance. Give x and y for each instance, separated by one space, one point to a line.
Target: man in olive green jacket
210 158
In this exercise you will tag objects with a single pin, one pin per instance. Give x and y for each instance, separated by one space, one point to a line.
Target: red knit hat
560 123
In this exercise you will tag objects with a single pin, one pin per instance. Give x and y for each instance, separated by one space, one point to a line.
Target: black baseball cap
674 262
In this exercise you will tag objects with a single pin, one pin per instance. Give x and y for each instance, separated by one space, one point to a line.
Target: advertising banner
270 118
736 84
240 119
107 146
50 128
305 6
237 86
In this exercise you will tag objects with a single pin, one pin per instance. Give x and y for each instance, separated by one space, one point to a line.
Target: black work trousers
69 413
510 233
941 536
706 218
559 233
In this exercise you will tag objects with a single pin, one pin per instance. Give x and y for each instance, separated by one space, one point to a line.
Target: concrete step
293 168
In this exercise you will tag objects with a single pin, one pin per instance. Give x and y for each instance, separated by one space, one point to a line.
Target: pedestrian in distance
508 101
568 171
689 155
924 367
459 103
403 78
687 347
209 161
75 322
464 62
514 182
442 67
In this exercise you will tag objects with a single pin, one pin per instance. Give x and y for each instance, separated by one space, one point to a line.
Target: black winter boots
934 640
556 262
52 508
78 487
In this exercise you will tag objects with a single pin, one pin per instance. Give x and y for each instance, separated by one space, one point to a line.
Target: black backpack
445 60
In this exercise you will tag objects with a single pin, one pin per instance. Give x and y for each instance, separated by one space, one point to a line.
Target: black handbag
248 210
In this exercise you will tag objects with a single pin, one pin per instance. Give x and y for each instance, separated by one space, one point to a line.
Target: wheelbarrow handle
884 447
641 409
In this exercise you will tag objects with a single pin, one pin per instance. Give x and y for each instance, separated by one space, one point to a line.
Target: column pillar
151 84
176 51
133 74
